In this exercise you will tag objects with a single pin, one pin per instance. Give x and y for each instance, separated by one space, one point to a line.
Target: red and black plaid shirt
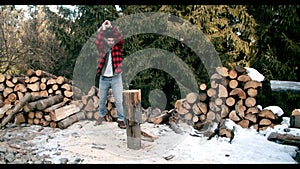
116 51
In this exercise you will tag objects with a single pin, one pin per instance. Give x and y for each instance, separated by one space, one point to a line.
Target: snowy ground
88 144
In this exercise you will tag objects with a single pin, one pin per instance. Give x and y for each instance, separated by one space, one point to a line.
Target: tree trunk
133 117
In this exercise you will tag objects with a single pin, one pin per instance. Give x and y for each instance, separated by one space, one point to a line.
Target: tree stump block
132 117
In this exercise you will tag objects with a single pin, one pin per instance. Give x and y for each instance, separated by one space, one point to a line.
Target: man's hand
106 24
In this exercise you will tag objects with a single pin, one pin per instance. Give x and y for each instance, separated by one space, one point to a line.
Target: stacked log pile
232 94
91 101
52 99
55 102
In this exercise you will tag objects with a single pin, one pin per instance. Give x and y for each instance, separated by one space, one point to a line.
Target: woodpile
55 102
91 101
49 100
232 94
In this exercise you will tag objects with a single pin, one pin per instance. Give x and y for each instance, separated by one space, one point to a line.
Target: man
109 43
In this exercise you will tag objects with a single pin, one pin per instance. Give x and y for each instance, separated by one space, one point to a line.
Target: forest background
264 37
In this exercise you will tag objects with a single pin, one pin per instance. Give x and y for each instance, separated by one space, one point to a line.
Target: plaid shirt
116 51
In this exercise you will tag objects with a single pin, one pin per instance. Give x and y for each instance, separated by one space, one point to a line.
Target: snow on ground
108 144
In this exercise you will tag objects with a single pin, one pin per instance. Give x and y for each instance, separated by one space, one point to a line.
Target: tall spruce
279 45
278 52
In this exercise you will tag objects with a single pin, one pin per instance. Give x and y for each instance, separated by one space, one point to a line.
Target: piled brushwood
232 94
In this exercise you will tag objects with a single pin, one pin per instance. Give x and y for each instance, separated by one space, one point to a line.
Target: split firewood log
179 106
9 84
20 87
252 84
267 114
33 79
244 123
34 87
243 78
19 118
7 91
240 109
63 112
16 109
252 110
251 117
232 74
222 91
162 118
238 92
233 116
223 71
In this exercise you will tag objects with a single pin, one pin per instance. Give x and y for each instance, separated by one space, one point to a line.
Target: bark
70 120
44 103
133 118
285 138
16 109
56 106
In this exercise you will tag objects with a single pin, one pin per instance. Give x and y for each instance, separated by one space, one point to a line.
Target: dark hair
110 33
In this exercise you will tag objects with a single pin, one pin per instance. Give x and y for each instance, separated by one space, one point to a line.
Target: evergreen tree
279 46
229 29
